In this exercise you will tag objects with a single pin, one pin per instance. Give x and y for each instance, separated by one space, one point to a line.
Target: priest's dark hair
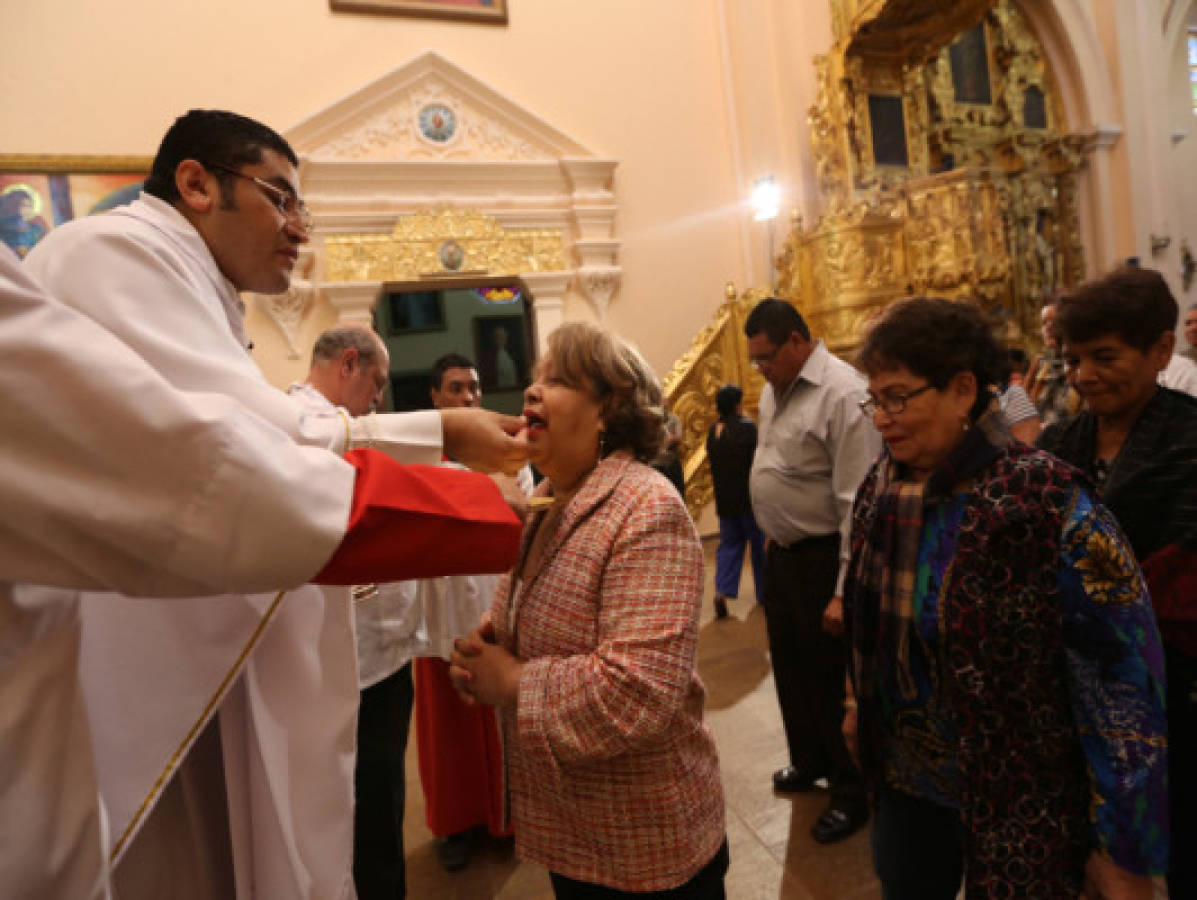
444 364
214 138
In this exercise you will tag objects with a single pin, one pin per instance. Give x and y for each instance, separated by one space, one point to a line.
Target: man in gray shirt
815 447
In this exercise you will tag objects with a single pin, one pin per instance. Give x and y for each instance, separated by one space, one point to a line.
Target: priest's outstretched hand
484 440
413 521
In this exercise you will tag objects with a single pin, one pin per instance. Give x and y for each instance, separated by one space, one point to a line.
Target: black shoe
454 851
720 606
837 824
790 781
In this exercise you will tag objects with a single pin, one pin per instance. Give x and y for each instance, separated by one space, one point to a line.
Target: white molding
591 178
364 164
599 283
353 300
548 302
380 114
597 252
1106 136
595 222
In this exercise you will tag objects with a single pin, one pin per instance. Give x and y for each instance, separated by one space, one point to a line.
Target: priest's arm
111 478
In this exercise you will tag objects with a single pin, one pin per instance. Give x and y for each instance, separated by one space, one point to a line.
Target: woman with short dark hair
1138 442
1005 661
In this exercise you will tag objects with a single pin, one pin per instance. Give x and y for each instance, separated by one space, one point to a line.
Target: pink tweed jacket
612 776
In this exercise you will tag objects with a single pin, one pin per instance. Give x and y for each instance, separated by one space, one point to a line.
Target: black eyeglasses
289 205
893 404
757 361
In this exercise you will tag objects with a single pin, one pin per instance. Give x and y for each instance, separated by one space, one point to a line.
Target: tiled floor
772 854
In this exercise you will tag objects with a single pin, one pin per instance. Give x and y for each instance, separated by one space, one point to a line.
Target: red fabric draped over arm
419 522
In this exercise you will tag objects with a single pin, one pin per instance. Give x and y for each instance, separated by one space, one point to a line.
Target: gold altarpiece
946 168
419 247
716 357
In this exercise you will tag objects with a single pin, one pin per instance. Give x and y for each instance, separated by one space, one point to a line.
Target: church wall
1182 125
639 82
695 98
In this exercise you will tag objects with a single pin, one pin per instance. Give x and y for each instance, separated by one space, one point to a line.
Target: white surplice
154 673
91 500
389 619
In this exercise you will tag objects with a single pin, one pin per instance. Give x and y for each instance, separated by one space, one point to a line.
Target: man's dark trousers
380 788
809 664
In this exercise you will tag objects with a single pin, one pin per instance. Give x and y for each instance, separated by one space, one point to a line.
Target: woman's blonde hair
590 359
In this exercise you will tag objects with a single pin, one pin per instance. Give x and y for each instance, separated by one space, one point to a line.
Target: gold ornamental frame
51 163
493 13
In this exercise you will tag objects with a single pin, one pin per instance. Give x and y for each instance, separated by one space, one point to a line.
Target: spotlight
766 198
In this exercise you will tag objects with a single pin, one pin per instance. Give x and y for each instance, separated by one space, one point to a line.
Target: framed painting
501 351
887 125
969 55
39 193
415 311
492 11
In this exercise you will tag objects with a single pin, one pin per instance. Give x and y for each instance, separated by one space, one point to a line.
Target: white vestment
154 673
454 604
388 618
111 478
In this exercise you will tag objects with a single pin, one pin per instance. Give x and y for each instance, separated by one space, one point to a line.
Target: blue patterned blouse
1114 662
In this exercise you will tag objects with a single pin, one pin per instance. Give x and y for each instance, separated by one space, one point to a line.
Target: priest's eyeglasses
893 404
289 205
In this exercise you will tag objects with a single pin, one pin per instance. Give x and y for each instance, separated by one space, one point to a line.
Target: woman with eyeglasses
1006 667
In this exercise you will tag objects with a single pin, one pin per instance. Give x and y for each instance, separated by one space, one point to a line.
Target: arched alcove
1068 34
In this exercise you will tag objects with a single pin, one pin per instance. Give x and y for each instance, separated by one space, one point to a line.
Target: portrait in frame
887 126
491 11
969 56
415 311
501 351
39 193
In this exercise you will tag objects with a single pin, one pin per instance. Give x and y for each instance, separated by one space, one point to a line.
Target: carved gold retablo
718 355
444 241
942 153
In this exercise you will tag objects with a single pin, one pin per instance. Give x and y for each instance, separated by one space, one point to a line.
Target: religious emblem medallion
451 255
438 123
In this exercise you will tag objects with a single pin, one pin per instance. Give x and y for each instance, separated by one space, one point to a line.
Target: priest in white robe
101 454
163 275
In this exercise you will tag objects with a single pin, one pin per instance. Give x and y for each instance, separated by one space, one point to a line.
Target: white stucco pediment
429 136
429 109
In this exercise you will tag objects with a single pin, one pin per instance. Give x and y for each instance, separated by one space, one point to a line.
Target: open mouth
536 423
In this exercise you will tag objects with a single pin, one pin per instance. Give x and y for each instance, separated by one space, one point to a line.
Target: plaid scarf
885 550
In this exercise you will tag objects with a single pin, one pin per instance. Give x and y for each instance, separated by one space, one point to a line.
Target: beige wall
1182 183
695 98
642 82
